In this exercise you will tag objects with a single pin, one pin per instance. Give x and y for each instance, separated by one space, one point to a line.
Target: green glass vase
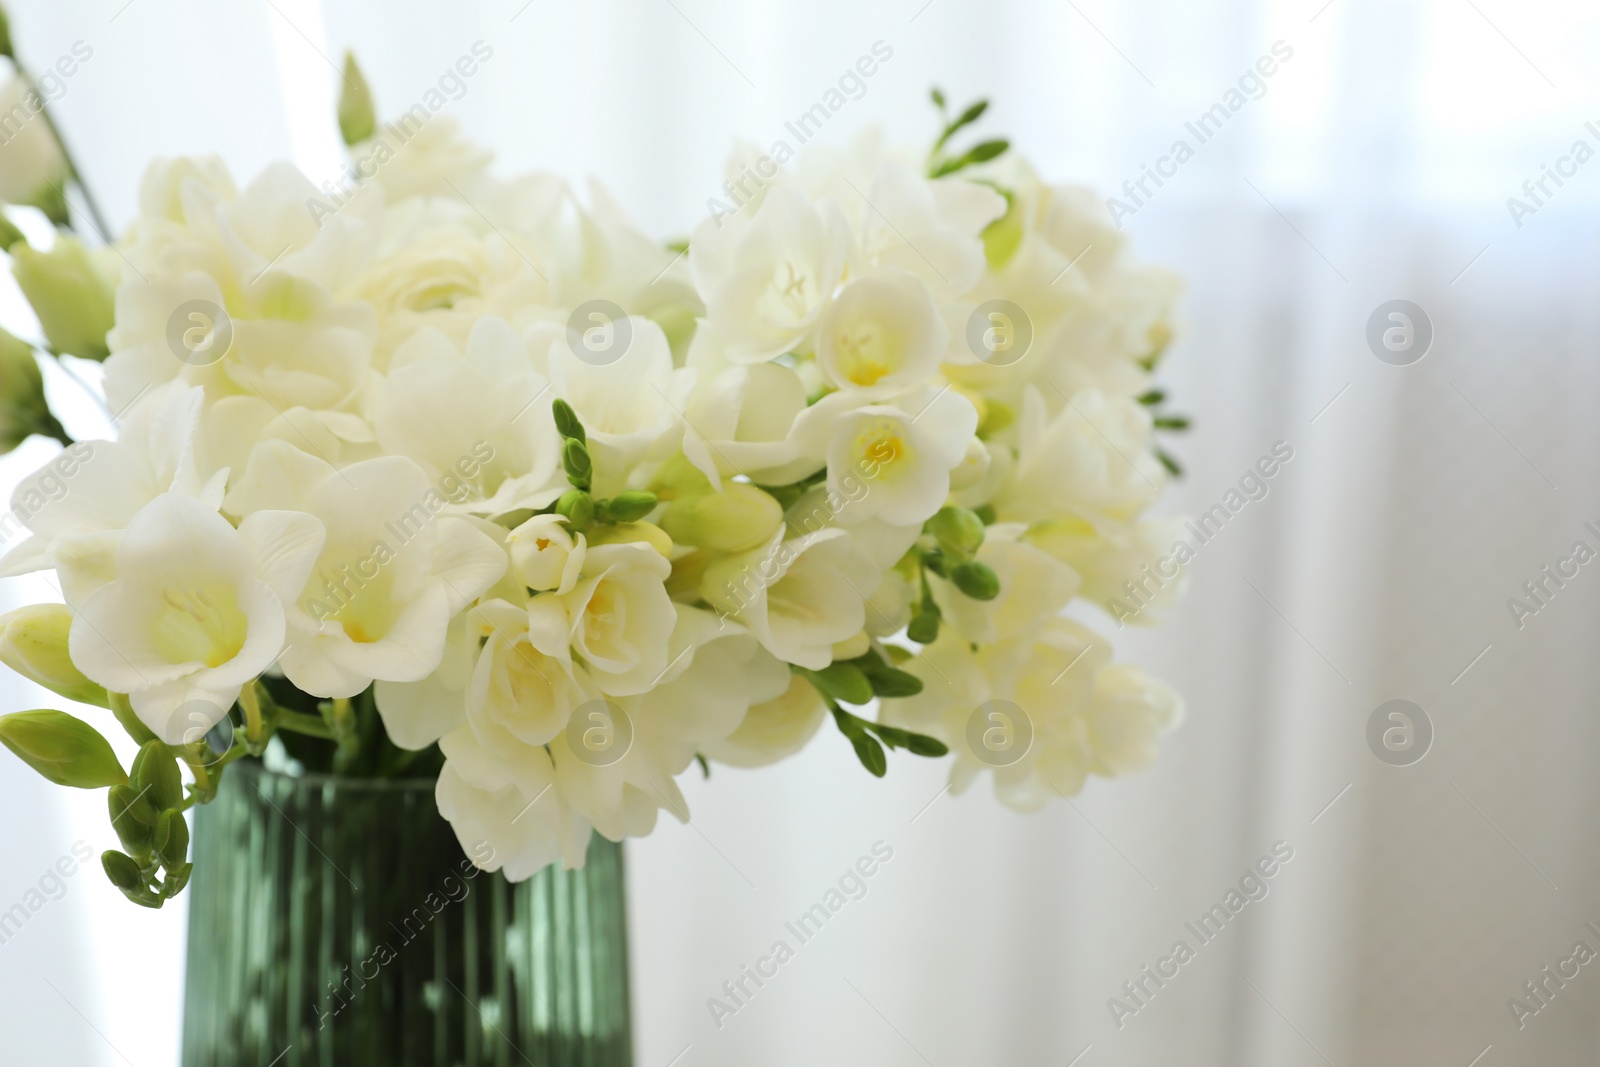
336 922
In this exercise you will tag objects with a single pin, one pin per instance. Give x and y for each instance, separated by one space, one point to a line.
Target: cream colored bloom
1041 712
799 597
1033 589
545 555
881 336
194 610
903 454
620 617
392 574
766 278
477 421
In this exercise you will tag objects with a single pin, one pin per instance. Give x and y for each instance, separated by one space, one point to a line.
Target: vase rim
319 779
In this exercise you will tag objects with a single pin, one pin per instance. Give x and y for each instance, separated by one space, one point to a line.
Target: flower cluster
461 476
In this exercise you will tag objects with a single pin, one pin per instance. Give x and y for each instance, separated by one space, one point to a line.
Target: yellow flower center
866 351
203 625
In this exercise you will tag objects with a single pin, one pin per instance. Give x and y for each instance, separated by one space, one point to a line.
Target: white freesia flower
716 673
1133 571
434 159
1052 690
904 456
545 555
525 685
194 611
930 228
392 574
1092 458
629 401
799 597
97 487
773 729
767 277
755 420
478 422
254 276
1034 588
507 802
620 616
881 336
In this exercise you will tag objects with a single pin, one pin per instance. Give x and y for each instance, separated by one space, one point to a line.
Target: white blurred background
1377 166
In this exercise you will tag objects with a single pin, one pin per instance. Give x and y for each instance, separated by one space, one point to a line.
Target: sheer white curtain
1374 166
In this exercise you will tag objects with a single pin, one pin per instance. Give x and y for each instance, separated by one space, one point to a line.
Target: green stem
95 214
254 731
301 723
130 722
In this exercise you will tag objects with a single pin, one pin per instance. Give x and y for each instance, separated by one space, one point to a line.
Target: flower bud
133 818
65 750
678 477
739 518
575 461
577 507
924 627
544 555
630 506
624 533
958 531
155 774
843 682
32 166
567 422
74 300
23 409
122 870
357 119
33 642
172 839
976 580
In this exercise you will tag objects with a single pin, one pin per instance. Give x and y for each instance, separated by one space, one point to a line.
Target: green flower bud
630 506
176 879
356 117
73 298
924 628
575 460
578 508
122 870
567 422
133 818
739 518
65 750
844 682
33 642
890 682
976 580
172 839
155 774
23 408
958 531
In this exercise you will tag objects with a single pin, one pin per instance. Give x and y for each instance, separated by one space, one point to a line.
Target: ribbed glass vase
336 922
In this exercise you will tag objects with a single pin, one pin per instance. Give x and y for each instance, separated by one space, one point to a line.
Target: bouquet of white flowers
427 473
